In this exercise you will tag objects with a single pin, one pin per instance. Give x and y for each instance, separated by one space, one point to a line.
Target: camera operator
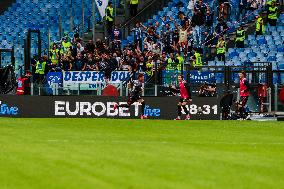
226 104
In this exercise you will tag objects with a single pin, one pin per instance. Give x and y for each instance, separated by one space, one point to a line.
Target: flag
102 4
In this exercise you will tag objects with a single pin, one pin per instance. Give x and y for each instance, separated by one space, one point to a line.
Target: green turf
106 154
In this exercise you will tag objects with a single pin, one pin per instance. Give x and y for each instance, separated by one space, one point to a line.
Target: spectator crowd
192 38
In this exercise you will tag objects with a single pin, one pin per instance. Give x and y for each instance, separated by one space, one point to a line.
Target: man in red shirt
185 97
244 91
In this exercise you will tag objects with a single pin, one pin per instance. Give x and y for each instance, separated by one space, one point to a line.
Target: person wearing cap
259 25
109 18
273 13
240 37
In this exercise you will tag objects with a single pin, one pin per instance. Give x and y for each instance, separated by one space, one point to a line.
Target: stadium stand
221 20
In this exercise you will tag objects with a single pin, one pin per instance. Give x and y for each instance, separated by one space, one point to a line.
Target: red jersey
183 90
21 86
244 87
262 91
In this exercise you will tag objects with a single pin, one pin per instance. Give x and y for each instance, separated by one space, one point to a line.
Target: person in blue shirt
138 34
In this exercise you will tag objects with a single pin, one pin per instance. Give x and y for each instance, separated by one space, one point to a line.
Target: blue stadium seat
262 41
252 55
280 49
271 58
233 54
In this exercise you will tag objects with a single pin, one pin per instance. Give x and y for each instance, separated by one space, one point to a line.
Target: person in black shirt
221 27
175 37
242 9
167 39
208 20
90 47
197 18
182 18
201 6
135 95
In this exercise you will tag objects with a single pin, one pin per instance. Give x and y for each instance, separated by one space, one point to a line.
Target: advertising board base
201 108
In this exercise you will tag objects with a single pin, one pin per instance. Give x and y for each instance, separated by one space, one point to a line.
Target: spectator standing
90 47
221 49
138 35
259 25
134 7
80 49
208 20
210 41
183 19
183 39
80 64
273 14
242 9
113 63
109 18
167 39
222 27
65 45
54 54
197 23
66 62
116 38
224 10
196 58
201 6
123 66
91 63
41 69
240 37
180 61
149 68
171 63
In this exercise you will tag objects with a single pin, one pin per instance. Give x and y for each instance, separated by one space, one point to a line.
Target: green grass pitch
140 154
